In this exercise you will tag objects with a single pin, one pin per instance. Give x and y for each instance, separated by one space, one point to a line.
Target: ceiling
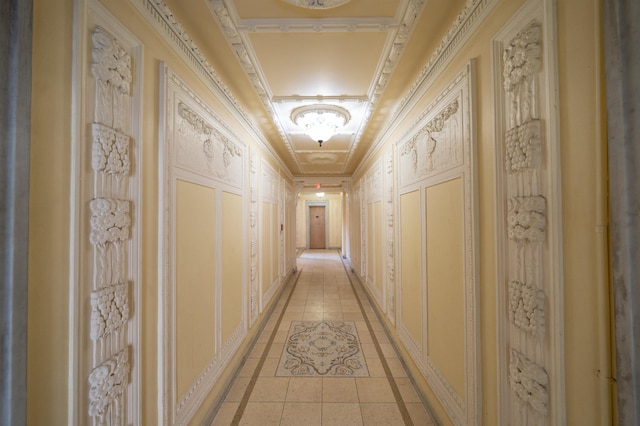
278 55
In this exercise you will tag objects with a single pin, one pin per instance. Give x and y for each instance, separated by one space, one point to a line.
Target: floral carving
521 65
111 62
529 382
109 310
107 382
526 307
522 57
110 220
110 150
526 219
523 147
425 136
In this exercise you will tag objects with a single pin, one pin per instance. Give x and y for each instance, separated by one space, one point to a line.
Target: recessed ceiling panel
308 64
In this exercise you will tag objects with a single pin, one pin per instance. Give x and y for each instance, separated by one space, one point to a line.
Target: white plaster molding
435 147
526 219
528 212
390 230
317 4
526 307
523 147
529 382
253 234
108 382
105 186
109 310
203 141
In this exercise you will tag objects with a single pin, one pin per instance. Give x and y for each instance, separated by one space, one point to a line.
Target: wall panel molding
439 148
196 147
106 207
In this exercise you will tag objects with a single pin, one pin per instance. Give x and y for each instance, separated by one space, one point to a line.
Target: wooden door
317 236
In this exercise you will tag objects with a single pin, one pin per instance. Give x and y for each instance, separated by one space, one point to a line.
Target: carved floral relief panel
530 323
111 202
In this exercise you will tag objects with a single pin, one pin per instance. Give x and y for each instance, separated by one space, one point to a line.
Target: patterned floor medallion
322 348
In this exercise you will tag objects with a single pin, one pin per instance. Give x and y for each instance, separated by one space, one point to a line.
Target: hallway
322 291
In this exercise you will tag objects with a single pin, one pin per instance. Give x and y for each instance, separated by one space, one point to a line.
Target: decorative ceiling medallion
319 121
317 4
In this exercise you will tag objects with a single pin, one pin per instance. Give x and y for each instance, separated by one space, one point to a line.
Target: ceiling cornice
158 14
473 13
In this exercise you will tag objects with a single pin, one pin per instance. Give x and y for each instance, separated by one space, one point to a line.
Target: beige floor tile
304 390
281 336
314 309
374 389
339 390
249 367
407 390
332 316
262 413
302 413
381 414
369 350
225 414
296 308
332 308
388 351
341 414
270 389
396 367
352 316
374 365
238 389
258 350
269 367
276 350
312 316
419 414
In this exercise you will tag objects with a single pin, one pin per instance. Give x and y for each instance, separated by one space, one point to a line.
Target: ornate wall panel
107 194
389 233
253 236
375 234
439 149
198 150
271 244
528 220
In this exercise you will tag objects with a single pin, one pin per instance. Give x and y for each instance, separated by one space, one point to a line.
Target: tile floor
322 291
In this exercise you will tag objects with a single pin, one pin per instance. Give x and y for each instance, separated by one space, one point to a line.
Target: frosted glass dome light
320 122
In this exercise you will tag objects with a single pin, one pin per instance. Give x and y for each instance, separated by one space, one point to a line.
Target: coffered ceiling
279 55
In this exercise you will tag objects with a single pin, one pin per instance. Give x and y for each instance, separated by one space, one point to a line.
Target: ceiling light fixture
320 122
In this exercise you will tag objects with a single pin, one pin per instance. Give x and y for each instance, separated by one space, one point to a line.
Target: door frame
317 203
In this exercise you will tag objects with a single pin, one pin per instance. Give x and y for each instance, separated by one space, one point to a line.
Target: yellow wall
411 264
195 281
232 263
48 299
445 281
